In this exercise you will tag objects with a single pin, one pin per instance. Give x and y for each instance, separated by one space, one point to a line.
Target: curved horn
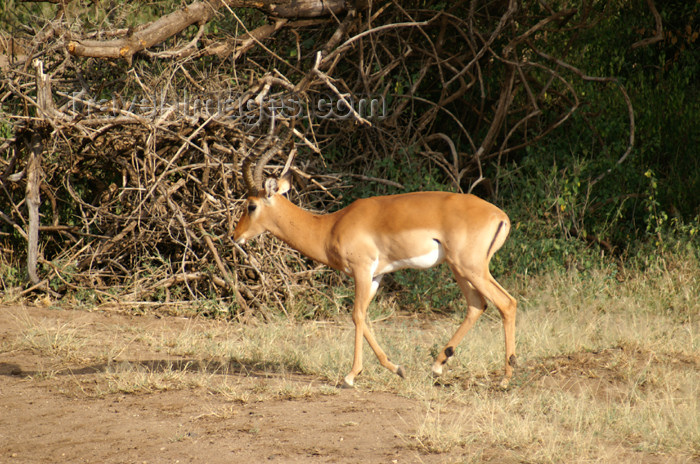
248 179
262 161
277 145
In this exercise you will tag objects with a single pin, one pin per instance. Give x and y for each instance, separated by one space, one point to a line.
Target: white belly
424 261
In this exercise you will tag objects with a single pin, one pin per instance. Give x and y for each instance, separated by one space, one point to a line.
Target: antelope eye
251 207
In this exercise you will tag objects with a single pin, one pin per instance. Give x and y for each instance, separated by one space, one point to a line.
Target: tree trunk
36 147
33 202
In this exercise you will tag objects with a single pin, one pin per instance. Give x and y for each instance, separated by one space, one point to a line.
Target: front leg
365 289
363 295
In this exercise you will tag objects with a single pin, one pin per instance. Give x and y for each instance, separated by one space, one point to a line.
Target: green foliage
561 221
10 276
569 197
5 129
547 205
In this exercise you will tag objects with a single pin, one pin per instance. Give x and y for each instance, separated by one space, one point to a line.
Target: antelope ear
284 183
278 186
270 186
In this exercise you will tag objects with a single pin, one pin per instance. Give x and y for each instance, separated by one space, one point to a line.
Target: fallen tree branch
146 36
200 12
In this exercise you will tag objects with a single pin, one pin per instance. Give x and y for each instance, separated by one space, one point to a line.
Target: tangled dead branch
141 168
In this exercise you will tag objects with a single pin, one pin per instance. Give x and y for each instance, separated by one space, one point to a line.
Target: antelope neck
302 230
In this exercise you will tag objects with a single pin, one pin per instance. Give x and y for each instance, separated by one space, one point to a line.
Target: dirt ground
50 414
61 400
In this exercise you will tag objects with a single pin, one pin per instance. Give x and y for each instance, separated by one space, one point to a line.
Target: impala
374 236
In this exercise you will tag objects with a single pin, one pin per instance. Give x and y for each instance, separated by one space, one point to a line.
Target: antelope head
261 196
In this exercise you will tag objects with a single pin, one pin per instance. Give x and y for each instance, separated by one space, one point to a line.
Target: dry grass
57 343
609 371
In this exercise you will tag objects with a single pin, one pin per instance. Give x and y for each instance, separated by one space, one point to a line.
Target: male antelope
374 236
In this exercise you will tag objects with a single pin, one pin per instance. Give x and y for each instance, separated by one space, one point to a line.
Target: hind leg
475 308
487 286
